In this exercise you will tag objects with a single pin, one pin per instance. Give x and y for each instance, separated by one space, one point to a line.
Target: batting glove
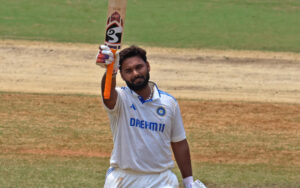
197 184
190 183
105 57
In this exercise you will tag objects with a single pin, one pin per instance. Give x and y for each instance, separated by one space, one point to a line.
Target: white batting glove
105 57
197 184
190 183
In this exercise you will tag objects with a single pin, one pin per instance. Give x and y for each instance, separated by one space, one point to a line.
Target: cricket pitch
44 67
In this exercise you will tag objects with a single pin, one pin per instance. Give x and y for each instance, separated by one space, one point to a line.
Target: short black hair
132 51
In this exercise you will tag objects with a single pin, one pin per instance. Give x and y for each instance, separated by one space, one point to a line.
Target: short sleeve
117 106
114 113
177 133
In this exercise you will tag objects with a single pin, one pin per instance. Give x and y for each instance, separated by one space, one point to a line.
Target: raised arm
104 58
110 103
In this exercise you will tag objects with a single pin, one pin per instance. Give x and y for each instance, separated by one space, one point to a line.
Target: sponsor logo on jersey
161 111
153 126
133 107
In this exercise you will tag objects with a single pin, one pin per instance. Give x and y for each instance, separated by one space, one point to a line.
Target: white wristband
187 181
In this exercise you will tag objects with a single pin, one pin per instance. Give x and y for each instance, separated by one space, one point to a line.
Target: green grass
271 25
33 171
58 141
51 171
245 175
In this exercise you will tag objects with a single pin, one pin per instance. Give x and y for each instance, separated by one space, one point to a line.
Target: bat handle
108 78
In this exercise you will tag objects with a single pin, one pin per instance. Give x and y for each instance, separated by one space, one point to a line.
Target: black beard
139 86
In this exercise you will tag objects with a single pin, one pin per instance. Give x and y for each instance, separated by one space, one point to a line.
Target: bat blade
113 36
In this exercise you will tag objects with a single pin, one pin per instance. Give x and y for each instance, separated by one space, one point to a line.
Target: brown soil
45 67
218 132
227 126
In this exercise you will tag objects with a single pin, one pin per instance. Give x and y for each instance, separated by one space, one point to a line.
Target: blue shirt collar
156 94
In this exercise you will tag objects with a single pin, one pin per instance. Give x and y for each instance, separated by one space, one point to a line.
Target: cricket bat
113 36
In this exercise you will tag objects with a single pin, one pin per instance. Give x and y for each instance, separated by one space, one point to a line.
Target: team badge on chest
161 111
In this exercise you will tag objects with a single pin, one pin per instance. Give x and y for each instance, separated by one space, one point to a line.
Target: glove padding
197 184
105 57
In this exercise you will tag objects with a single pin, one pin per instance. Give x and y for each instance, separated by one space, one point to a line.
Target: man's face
135 72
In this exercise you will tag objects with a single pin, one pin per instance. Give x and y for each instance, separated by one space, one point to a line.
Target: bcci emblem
161 111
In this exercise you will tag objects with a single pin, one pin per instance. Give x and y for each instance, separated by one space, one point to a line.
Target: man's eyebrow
127 69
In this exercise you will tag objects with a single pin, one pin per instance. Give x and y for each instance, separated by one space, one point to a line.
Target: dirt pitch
44 67
238 107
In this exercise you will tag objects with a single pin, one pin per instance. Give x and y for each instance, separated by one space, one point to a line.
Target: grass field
271 25
49 140
64 140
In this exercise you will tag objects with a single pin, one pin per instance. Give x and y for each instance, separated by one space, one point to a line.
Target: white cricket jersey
143 131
